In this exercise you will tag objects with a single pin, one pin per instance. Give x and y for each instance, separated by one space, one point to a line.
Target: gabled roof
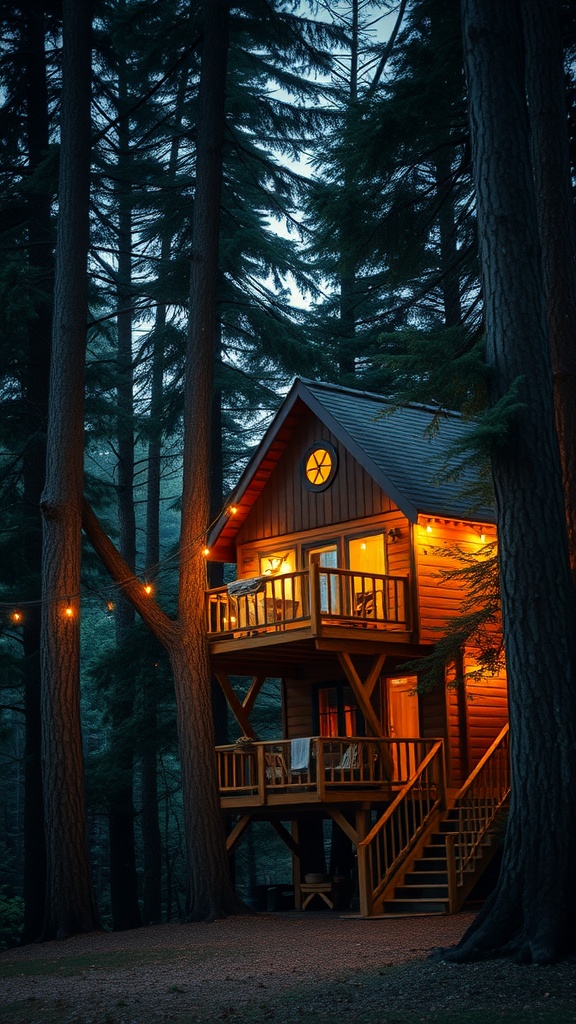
393 443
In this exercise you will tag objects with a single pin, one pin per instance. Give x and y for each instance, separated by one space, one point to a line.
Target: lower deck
289 775
389 801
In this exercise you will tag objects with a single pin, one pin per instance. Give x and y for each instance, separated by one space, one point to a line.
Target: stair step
447 826
415 907
421 892
433 853
426 878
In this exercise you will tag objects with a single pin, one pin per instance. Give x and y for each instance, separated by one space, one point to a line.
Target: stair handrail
477 804
429 774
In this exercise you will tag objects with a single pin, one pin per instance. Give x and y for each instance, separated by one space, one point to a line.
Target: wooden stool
327 891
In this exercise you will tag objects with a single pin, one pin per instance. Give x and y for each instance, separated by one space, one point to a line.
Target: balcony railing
284 770
309 598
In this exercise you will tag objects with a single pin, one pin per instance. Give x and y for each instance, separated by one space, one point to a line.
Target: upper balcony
310 603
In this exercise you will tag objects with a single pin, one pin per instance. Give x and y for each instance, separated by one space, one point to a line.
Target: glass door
327 557
366 559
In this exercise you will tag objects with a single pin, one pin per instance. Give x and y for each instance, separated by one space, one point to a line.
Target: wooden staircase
439 866
424 888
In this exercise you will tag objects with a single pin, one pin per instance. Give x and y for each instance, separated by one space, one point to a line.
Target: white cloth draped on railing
300 754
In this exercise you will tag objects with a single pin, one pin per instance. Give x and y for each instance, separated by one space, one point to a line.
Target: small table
327 891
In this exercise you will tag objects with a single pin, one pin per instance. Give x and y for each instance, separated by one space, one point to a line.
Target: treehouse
341 528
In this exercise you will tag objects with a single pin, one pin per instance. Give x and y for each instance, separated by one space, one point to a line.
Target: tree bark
70 904
531 912
40 258
151 835
546 92
123 877
211 892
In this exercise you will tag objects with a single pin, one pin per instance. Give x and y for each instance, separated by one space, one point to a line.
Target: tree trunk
123 877
546 91
151 835
531 912
70 905
211 893
40 258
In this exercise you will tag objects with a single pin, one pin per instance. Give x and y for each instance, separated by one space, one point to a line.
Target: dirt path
284 968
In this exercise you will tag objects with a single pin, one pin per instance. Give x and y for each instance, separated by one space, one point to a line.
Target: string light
168 564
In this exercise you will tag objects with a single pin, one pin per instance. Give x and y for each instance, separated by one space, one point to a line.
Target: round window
320 465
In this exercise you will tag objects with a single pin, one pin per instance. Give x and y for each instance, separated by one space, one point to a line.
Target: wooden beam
253 691
345 825
237 832
374 674
235 705
286 837
358 688
315 616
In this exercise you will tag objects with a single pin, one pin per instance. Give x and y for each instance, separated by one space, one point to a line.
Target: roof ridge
380 398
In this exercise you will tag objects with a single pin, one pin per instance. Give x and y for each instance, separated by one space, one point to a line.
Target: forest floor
320 968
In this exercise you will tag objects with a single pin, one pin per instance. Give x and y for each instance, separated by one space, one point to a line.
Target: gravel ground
285 968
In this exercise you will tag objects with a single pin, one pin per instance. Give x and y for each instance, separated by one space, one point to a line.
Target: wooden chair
276 770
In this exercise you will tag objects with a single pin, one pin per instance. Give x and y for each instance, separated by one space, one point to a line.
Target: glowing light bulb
69 611
16 617
233 510
148 588
205 551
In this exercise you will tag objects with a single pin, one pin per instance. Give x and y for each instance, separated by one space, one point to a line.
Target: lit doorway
403 721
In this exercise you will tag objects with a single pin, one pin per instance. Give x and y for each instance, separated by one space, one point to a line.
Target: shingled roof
394 444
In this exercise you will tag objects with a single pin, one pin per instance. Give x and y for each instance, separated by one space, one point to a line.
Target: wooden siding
457 747
286 506
439 600
433 714
486 710
298 709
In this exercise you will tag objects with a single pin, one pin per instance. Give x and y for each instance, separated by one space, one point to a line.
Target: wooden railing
308 597
388 844
477 805
323 765
347 595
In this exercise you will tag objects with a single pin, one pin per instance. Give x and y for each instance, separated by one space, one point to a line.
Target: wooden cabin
340 528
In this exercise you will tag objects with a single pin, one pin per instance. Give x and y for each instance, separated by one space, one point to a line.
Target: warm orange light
69 611
233 510
482 538
148 588
16 617
205 551
110 606
428 528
